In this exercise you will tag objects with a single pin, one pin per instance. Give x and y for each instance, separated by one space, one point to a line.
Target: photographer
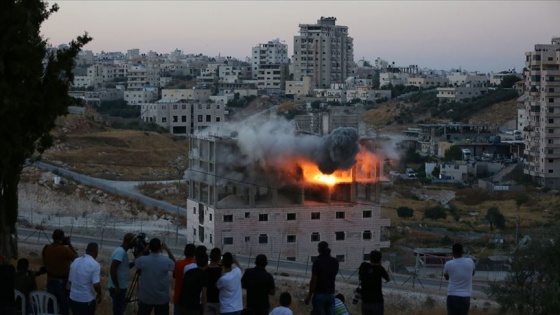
153 288
370 274
119 273
57 258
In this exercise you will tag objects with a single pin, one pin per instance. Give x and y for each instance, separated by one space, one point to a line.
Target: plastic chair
18 294
41 301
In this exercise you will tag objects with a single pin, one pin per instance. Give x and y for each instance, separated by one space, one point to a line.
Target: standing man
7 279
85 287
231 298
119 274
259 284
370 274
57 258
212 273
192 299
178 275
321 286
459 271
153 286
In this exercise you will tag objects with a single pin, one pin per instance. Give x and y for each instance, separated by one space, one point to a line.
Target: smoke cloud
263 150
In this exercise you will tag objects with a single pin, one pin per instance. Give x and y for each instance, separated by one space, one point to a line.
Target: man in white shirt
459 271
84 278
229 284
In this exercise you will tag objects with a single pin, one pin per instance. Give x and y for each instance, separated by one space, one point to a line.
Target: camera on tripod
357 295
140 244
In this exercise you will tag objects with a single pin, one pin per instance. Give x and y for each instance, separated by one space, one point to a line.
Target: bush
434 213
405 212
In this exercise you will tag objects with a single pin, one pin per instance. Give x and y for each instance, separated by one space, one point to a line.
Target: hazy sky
474 35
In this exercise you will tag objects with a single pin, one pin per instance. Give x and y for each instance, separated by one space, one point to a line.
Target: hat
458 248
323 245
58 234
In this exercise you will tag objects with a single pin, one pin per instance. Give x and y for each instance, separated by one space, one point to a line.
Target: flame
364 171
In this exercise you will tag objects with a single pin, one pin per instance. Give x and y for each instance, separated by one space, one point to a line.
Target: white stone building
542 107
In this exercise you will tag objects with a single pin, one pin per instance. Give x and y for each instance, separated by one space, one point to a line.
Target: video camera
139 245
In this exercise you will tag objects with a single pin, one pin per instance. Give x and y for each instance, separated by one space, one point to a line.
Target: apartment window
174 106
263 239
551 100
228 240
210 217
228 217
550 160
208 106
217 119
315 237
551 90
194 232
194 210
291 238
247 239
315 215
163 119
340 214
183 118
183 106
551 110
208 118
367 235
550 141
339 236
291 258
247 215
550 171
291 216
550 130
263 217
340 258
550 151
199 118
366 214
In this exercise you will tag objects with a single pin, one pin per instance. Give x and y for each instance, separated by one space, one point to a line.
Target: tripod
130 296
414 277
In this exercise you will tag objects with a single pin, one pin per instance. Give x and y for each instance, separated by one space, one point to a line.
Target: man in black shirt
259 285
370 274
212 273
192 298
7 279
321 286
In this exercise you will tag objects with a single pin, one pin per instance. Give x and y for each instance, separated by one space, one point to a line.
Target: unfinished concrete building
285 206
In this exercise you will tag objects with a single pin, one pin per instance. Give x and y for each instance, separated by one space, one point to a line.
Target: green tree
532 286
435 172
509 80
495 217
34 84
434 213
405 212
454 153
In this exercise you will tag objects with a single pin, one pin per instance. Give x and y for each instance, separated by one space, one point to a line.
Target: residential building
141 76
323 51
427 82
542 107
285 219
183 117
272 53
137 97
299 88
463 78
195 94
459 94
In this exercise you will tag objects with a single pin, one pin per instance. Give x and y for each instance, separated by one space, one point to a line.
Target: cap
323 245
58 234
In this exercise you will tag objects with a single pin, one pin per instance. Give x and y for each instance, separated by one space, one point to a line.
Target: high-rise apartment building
323 51
542 108
270 66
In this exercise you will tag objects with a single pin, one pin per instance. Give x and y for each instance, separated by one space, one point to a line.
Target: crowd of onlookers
205 282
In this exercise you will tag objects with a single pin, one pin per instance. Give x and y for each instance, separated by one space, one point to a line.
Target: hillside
99 151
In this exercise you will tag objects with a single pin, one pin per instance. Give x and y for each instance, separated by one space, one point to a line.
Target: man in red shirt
178 275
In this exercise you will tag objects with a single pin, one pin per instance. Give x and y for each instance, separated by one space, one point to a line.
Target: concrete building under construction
284 206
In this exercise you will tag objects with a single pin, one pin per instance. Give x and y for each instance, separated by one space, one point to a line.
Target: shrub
434 213
405 212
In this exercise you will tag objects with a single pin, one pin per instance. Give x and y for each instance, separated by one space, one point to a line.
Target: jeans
458 305
146 309
83 308
373 308
119 302
324 303
57 287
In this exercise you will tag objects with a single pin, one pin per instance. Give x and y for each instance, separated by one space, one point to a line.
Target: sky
473 35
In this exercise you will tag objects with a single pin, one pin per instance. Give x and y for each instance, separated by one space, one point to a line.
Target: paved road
123 188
